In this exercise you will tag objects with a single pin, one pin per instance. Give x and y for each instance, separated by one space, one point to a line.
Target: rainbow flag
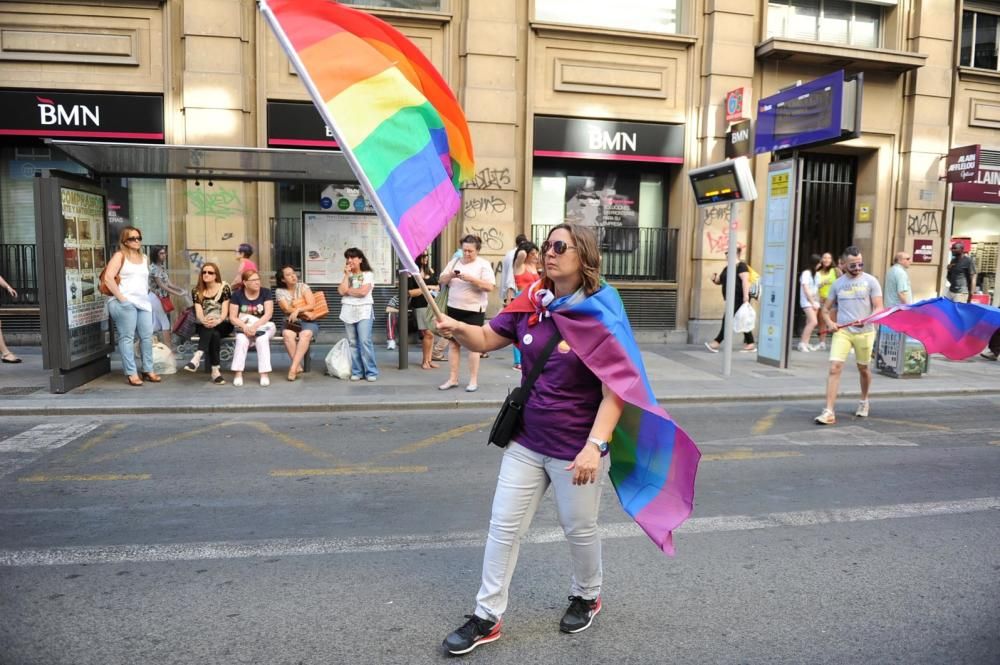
653 460
391 112
956 330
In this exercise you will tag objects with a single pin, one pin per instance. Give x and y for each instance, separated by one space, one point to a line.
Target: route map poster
325 236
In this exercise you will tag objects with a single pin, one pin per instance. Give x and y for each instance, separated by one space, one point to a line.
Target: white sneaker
238 381
826 418
819 347
355 377
863 407
264 380
804 348
371 379
391 345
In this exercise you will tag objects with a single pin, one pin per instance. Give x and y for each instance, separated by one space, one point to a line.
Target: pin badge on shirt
563 347
527 339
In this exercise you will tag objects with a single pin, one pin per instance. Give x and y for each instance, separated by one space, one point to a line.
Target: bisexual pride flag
392 114
653 461
956 330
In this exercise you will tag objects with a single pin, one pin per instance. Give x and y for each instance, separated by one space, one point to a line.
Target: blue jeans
130 321
359 336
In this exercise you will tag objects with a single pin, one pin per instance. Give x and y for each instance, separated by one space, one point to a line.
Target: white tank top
135 283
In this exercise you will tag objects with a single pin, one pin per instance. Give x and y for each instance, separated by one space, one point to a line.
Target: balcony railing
17 266
631 254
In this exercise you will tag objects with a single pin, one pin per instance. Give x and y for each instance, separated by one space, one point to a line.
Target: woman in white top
357 311
809 301
130 308
469 280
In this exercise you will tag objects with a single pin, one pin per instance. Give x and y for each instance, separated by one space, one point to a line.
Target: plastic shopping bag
441 299
338 360
164 361
745 319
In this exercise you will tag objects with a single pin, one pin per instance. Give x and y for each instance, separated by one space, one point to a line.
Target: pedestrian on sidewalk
897 281
854 296
357 311
6 355
160 288
507 285
420 307
243 254
826 274
961 275
809 301
525 274
250 312
993 351
742 298
562 441
469 280
295 299
211 298
129 307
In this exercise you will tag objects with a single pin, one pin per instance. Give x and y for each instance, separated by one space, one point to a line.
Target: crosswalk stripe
20 450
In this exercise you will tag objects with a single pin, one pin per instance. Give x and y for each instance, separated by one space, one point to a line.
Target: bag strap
536 368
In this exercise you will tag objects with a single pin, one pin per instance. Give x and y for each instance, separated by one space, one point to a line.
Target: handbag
184 326
509 417
101 286
319 308
441 300
166 303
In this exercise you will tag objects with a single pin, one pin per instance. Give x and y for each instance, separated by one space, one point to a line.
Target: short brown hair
588 253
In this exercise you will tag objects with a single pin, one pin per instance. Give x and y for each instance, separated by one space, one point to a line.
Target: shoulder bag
509 417
101 286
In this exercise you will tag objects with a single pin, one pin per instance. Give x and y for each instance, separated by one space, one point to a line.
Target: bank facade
576 113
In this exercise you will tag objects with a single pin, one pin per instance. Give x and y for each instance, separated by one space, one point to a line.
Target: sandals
448 385
152 377
133 380
191 367
218 380
428 365
10 358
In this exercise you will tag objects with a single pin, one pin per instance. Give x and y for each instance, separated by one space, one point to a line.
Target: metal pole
731 262
403 321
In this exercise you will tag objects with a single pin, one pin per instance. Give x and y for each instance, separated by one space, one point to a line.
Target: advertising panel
83 259
779 239
82 115
325 236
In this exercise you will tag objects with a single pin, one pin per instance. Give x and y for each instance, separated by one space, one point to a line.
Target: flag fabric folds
653 460
956 330
392 113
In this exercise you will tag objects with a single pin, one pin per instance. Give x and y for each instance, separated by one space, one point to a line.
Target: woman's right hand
120 298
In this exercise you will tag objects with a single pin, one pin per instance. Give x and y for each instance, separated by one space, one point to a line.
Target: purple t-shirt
562 406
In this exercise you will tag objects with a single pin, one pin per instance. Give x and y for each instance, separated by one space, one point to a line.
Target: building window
424 5
979 40
832 21
659 16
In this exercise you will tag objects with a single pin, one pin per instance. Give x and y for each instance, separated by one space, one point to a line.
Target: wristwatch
601 445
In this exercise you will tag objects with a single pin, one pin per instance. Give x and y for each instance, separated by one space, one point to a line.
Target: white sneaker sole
588 624
485 640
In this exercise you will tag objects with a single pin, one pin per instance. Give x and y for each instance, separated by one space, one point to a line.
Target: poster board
325 236
779 267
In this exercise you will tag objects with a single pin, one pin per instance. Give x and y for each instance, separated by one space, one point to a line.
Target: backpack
754 279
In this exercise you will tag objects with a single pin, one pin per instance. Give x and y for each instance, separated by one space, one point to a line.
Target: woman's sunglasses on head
558 246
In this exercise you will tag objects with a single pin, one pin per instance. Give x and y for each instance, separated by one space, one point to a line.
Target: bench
187 348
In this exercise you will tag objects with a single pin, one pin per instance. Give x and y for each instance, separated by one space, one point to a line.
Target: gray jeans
524 477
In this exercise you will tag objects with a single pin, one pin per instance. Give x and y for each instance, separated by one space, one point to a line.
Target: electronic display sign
726 181
824 110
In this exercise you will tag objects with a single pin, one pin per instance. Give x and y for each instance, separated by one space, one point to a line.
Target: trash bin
899 356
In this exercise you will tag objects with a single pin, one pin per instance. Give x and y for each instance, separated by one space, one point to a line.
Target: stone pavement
677 372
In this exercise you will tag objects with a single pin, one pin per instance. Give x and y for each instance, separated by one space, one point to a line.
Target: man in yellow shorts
855 295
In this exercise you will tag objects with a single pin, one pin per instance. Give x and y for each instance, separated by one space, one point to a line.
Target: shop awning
139 160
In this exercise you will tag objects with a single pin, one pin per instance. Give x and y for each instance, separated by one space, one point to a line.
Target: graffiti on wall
217 201
489 179
922 224
714 229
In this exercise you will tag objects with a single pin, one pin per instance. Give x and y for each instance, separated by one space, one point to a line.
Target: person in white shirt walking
809 301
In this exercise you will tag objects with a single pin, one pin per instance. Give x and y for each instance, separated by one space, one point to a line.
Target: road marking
159 442
740 455
764 425
911 423
438 438
31 444
286 547
74 478
93 441
851 435
348 471
298 444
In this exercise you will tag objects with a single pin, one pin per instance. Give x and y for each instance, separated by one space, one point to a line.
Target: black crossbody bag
509 418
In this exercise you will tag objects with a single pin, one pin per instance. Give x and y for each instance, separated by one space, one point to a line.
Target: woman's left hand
586 465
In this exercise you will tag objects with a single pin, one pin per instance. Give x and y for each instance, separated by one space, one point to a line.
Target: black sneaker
580 614
473 632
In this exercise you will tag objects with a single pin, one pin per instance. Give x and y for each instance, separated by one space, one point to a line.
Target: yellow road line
740 455
161 442
93 441
914 424
438 438
995 443
298 444
764 425
73 478
348 471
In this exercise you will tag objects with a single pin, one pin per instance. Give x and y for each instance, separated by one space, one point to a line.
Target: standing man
855 295
897 281
507 286
961 275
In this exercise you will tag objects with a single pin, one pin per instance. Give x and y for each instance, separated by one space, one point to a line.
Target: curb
342 407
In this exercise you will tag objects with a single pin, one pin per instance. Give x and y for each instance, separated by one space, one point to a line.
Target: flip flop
10 359
447 386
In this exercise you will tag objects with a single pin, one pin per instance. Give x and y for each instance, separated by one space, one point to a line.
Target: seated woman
295 298
250 312
211 309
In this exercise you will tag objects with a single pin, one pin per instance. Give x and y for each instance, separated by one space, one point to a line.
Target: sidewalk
677 372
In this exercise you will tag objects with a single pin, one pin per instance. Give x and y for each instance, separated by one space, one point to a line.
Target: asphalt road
335 538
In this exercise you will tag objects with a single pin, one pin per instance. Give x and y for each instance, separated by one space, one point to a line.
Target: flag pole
397 241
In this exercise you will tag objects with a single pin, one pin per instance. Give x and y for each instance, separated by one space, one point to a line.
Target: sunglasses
134 239
855 266
207 272
559 247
